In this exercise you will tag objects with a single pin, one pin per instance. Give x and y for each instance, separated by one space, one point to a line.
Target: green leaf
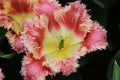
111 65
99 3
116 71
7 56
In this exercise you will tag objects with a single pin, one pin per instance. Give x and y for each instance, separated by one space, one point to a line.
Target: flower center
61 43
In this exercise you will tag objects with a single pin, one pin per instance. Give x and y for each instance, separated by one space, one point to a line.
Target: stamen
61 44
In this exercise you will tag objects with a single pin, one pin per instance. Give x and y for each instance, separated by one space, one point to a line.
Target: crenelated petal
8 23
33 36
5 21
48 8
74 17
96 38
33 69
69 66
16 42
66 66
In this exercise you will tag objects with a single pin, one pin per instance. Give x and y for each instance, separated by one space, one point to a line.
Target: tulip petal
96 39
33 69
48 8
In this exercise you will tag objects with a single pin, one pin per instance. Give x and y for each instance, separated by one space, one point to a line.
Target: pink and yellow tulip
53 37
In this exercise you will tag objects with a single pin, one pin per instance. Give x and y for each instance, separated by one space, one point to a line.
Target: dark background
94 66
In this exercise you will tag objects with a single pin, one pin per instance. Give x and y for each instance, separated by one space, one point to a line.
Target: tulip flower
52 37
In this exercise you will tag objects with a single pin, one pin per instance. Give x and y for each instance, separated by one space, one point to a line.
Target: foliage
116 71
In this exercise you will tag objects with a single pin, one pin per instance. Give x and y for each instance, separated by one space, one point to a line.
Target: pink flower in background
1 4
1 75
15 11
20 6
5 21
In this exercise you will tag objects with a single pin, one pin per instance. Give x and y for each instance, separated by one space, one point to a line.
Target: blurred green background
98 65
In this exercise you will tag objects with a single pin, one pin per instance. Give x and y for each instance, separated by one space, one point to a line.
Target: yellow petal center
60 44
